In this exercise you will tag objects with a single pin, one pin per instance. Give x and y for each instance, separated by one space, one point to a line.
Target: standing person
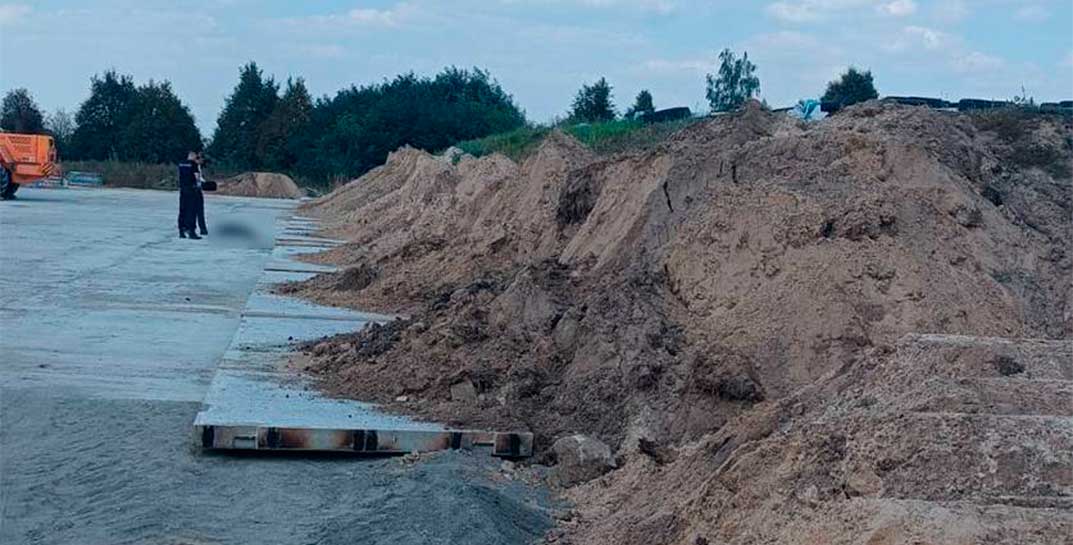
200 197
188 189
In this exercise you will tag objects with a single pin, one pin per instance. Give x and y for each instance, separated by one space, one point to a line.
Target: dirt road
111 328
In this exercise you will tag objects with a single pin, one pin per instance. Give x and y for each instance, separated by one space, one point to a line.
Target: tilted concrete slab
255 403
272 277
284 237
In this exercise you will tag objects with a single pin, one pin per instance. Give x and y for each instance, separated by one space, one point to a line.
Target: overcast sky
541 51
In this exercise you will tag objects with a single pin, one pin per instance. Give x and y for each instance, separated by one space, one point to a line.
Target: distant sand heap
260 184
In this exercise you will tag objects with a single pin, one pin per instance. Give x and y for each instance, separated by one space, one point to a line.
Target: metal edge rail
361 441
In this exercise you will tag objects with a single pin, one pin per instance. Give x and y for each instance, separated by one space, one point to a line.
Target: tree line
266 125
352 132
726 90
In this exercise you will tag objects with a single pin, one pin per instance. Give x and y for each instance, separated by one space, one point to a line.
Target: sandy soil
260 184
674 293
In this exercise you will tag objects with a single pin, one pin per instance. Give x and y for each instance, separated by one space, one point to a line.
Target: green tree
641 105
735 83
19 113
593 103
61 125
102 117
282 136
234 142
160 128
852 87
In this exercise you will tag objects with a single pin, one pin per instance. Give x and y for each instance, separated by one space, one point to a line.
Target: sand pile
260 184
671 295
938 439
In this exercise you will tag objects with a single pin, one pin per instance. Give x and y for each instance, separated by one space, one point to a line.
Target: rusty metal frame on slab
248 438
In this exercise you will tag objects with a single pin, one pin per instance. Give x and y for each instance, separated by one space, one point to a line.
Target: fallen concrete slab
255 403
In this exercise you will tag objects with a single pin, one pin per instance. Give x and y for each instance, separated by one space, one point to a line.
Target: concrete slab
272 277
100 298
285 237
111 330
287 265
255 403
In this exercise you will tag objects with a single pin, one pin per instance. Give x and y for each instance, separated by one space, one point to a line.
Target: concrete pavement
111 329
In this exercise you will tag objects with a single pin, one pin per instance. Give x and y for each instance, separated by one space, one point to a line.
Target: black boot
193 235
182 234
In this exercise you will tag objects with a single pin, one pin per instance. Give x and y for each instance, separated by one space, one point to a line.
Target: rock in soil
579 459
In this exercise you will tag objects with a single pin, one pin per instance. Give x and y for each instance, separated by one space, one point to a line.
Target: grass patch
603 138
516 144
1015 125
1010 124
624 135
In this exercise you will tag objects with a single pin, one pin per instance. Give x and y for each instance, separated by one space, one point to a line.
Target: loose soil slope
665 294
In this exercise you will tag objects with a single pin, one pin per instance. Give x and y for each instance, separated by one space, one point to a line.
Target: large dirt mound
938 439
668 293
260 184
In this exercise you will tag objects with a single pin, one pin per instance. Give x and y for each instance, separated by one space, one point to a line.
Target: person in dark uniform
189 171
200 198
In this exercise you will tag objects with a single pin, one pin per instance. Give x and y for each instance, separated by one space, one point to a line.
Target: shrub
593 103
852 87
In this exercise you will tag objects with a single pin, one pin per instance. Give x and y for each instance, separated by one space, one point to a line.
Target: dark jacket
188 171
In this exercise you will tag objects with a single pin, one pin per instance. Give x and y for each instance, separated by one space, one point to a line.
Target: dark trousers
188 210
199 212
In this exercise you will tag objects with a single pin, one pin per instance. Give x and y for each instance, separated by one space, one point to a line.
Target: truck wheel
7 187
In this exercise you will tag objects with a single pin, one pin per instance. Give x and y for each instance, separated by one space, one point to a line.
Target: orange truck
24 159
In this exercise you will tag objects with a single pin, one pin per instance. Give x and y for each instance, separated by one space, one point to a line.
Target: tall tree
282 136
850 88
19 113
641 105
593 103
103 116
735 82
160 128
235 140
61 125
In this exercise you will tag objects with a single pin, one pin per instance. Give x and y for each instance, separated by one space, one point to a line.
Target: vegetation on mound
1014 125
603 138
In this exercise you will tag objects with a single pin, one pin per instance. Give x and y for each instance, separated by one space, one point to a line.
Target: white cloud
810 11
975 61
898 8
661 7
11 13
671 66
1032 12
392 17
375 17
791 12
928 38
951 11
932 46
